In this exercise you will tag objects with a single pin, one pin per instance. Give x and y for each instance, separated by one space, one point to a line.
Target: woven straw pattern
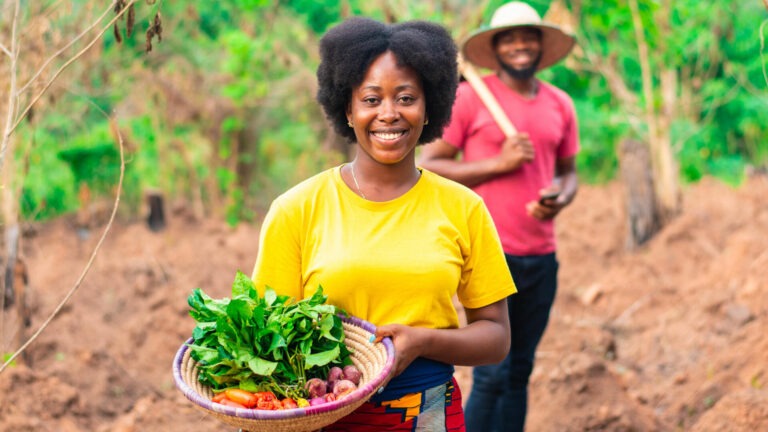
374 361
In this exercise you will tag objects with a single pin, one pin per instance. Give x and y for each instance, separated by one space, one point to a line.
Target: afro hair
347 50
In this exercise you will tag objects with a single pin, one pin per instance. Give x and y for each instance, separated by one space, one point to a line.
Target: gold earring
349 123
426 122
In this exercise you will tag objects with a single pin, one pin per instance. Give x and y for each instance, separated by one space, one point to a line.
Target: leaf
240 310
318 298
202 330
326 326
202 354
204 308
270 296
259 366
242 286
277 342
321 358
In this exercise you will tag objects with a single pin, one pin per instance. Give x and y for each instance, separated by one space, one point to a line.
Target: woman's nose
388 111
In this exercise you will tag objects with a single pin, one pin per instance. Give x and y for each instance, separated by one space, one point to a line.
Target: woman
389 242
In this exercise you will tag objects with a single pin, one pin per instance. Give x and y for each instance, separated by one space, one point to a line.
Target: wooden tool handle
473 78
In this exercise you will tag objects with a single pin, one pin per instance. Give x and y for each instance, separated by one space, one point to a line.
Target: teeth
388 135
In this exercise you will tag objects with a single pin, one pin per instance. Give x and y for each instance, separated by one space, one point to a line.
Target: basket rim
362 392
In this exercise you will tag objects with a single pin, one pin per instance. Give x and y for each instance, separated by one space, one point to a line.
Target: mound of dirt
665 338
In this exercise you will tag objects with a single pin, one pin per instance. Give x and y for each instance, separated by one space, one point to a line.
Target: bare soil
669 337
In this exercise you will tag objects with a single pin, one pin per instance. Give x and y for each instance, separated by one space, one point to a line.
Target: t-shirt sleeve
278 263
456 132
570 145
485 278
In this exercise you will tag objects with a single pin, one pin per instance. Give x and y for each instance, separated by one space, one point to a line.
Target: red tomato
267 396
268 404
289 403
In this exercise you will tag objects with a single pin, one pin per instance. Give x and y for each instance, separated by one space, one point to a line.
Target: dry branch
64 48
64 66
90 260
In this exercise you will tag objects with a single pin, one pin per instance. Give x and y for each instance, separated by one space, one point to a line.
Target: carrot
245 398
229 403
218 397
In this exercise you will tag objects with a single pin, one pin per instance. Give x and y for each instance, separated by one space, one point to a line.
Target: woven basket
374 361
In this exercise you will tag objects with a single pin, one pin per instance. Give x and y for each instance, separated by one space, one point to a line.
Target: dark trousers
499 398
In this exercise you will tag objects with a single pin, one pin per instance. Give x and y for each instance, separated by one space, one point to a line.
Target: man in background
525 179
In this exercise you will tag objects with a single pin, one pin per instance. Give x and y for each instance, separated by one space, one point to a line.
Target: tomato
289 403
268 404
244 398
267 396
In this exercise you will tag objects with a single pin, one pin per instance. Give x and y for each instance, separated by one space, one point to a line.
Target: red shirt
550 121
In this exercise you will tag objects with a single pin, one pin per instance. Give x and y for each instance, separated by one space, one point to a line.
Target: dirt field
667 338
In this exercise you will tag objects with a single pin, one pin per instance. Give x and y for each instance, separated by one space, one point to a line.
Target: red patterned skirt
434 410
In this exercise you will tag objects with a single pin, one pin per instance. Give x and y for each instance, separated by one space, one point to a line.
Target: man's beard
520 74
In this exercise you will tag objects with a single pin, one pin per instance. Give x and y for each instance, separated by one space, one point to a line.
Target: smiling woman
389 242
387 113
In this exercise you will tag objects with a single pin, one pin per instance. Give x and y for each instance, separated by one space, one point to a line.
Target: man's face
518 51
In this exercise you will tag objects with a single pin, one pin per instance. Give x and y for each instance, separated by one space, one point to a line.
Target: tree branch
64 48
69 62
5 50
90 260
12 98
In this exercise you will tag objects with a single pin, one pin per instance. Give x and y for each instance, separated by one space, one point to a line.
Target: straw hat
555 43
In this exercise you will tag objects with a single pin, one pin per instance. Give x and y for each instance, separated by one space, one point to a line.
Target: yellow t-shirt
399 261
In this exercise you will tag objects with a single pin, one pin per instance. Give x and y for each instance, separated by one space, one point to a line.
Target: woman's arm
484 340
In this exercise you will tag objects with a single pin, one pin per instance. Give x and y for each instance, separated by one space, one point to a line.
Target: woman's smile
389 136
388 110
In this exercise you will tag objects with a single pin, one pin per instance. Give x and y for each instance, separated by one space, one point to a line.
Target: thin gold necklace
357 185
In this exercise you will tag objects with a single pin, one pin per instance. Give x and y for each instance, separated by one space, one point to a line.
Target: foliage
223 109
265 343
718 116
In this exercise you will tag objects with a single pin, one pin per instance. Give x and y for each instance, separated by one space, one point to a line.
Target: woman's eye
370 100
407 99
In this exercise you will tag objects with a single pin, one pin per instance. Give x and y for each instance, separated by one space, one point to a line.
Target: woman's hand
407 341
484 340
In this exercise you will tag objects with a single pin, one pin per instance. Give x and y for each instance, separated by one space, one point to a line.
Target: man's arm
440 158
565 172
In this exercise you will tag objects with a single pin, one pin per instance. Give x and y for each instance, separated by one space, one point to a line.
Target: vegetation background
221 111
213 103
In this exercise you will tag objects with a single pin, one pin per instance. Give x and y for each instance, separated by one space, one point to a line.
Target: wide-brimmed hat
555 43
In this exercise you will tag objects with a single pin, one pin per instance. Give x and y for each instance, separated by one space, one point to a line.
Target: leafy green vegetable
268 343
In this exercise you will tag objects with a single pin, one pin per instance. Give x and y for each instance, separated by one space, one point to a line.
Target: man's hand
548 206
515 151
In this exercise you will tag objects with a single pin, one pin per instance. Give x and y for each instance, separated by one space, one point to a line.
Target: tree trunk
662 159
156 214
643 218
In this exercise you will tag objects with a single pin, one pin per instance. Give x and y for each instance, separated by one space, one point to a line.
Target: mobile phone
548 196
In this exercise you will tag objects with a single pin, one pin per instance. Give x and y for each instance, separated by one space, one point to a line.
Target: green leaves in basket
268 343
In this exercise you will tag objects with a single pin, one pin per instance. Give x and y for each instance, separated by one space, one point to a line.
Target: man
525 180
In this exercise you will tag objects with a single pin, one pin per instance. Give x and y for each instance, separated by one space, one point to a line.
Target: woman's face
388 110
